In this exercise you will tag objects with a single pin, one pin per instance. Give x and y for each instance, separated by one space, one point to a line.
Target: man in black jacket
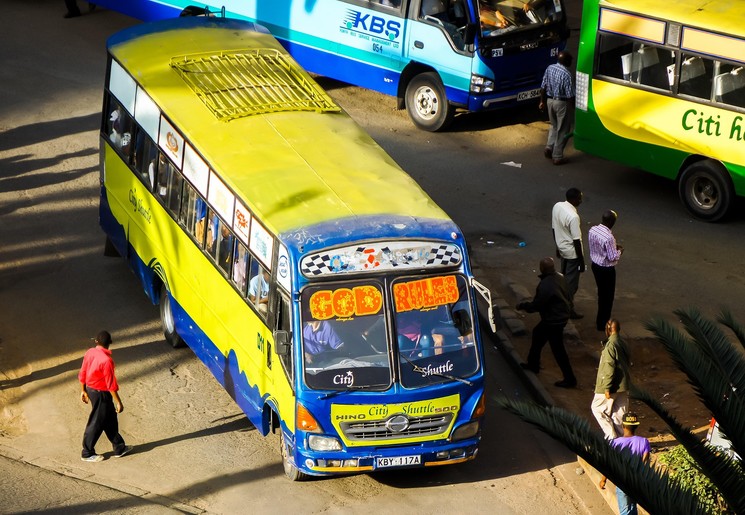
551 301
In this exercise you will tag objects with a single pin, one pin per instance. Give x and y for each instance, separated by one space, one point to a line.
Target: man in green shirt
611 399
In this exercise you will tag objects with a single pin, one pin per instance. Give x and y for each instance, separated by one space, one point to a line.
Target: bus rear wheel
427 104
166 318
706 191
291 471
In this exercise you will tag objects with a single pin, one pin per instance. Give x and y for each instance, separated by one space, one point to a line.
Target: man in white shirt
567 231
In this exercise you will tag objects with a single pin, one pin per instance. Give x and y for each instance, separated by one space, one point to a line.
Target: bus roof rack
243 83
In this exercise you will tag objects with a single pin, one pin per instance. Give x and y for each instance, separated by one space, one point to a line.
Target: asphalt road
194 450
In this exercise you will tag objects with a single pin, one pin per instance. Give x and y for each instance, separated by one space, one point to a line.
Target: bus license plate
398 461
527 95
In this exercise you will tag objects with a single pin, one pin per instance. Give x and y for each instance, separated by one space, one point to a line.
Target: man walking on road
99 386
611 400
567 231
551 302
557 96
604 255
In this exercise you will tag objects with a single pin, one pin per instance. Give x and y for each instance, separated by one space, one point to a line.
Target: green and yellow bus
661 87
326 292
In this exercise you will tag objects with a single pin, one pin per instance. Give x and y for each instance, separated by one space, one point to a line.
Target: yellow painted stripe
632 25
672 123
713 44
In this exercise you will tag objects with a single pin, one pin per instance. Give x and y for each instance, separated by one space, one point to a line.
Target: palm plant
715 368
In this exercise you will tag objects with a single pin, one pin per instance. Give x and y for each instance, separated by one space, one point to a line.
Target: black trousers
605 279
554 335
101 420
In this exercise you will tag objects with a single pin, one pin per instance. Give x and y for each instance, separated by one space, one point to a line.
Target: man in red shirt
98 385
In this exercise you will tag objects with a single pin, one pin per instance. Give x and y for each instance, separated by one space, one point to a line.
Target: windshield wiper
419 370
348 389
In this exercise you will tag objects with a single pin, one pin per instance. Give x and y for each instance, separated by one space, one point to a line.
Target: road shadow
33 133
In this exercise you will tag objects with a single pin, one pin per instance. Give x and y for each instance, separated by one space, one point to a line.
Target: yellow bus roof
726 16
292 169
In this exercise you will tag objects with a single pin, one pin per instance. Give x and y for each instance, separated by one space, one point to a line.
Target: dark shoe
565 384
72 15
576 316
548 152
533 369
560 161
127 449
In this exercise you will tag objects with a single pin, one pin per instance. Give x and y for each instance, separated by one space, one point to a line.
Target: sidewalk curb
531 381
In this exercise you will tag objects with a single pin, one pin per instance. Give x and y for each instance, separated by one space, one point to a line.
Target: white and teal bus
324 290
434 56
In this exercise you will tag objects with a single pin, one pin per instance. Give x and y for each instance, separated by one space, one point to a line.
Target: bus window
696 76
258 287
500 17
437 336
729 85
344 341
174 191
240 267
285 324
145 157
119 129
449 15
225 248
648 65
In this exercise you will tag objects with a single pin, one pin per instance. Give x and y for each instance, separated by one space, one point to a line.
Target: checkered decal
444 255
387 257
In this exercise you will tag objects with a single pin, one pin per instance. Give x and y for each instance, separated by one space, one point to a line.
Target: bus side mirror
471 31
282 341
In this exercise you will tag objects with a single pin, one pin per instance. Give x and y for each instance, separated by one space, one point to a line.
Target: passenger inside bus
239 269
225 249
258 289
319 337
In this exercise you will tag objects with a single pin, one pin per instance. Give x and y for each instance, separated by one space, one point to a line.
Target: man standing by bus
557 96
604 255
98 385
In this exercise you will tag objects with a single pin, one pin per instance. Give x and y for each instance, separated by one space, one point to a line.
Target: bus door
435 38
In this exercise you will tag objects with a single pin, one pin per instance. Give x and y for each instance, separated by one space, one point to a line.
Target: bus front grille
385 430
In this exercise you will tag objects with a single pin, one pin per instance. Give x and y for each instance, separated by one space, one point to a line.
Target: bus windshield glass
500 17
344 337
434 330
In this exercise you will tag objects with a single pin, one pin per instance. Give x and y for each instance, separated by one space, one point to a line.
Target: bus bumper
387 459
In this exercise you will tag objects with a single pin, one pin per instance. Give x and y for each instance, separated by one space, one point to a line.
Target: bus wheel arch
167 319
706 189
291 470
427 103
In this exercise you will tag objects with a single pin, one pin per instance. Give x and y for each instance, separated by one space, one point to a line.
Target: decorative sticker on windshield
425 293
346 302
375 257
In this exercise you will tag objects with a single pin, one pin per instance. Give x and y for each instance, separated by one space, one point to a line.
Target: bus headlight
481 84
466 431
323 443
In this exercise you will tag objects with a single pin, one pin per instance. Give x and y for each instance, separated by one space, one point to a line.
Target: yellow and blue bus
434 56
661 87
326 292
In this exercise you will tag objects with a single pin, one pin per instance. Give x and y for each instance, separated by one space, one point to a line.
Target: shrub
684 469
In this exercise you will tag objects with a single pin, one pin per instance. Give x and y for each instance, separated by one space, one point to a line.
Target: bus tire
706 190
427 104
291 471
166 318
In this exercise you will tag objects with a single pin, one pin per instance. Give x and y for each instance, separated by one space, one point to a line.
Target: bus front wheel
706 191
166 318
291 471
427 103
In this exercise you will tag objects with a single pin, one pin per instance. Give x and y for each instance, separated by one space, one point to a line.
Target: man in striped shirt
557 96
604 254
